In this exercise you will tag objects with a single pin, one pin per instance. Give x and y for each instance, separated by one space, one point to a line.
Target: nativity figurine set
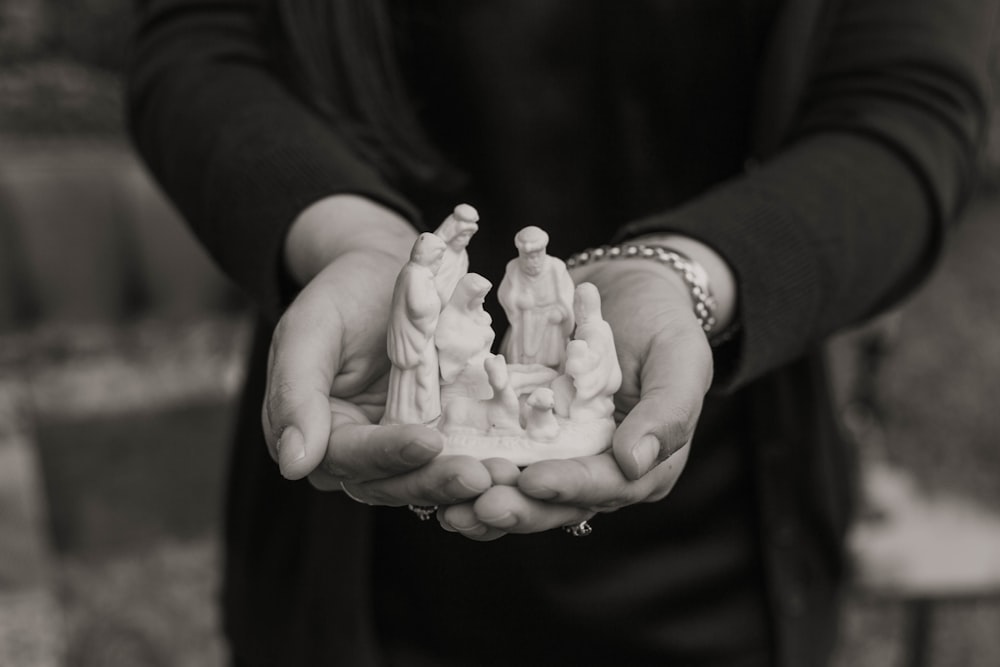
548 394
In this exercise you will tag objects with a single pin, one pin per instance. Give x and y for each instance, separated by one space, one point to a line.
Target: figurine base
574 439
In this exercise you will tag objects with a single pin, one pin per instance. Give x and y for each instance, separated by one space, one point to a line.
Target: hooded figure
464 337
414 391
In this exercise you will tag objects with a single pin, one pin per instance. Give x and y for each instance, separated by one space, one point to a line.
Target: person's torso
577 116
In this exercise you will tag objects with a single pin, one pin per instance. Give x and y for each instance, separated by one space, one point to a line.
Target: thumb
674 378
296 410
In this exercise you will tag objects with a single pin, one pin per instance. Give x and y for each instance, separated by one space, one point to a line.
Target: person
537 295
807 155
414 395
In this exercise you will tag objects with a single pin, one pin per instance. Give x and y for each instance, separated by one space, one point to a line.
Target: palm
644 312
359 315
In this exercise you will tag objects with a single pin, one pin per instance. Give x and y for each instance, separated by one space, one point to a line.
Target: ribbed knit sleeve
849 216
235 151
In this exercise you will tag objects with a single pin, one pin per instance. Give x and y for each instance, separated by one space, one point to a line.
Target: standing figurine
456 231
414 390
606 378
537 294
464 337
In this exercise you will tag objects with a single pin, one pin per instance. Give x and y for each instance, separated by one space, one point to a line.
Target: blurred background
120 355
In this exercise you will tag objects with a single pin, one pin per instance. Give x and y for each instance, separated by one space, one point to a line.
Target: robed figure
594 368
456 231
463 339
414 390
537 294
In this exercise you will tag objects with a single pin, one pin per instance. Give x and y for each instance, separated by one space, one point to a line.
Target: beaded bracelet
691 272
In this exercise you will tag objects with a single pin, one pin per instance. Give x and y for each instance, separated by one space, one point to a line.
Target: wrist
662 254
720 276
339 224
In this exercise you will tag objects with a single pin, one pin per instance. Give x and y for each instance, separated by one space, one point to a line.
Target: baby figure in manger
549 396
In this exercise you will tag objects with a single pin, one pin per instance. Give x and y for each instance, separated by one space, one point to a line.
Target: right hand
327 367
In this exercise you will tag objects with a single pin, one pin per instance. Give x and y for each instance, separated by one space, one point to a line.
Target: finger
675 376
592 481
462 519
444 481
506 508
502 471
361 451
597 482
296 413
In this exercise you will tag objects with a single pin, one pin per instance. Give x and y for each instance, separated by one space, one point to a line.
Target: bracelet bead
693 274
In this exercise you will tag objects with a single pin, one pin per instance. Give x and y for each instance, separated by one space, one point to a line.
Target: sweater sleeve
849 216
238 154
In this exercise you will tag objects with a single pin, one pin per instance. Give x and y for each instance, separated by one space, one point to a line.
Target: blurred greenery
60 65
93 33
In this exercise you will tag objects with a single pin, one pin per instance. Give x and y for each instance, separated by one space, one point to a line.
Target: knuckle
283 400
657 495
267 424
281 396
322 482
281 329
385 460
378 496
338 470
620 497
679 429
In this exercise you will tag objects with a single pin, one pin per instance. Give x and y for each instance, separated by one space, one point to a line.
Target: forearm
849 215
238 154
339 224
826 234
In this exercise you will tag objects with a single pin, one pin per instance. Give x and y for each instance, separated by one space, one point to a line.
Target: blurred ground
118 372
116 443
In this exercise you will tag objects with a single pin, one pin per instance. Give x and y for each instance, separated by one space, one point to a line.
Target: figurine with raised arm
463 339
456 231
537 294
414 390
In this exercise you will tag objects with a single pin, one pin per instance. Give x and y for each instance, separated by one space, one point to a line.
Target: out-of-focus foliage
93 33
60 62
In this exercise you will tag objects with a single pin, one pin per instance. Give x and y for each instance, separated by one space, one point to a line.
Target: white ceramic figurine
552 399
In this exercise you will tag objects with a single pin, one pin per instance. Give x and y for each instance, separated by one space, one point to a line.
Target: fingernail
540 493
417 452
645 453
291 447
505 520
477 530
461 489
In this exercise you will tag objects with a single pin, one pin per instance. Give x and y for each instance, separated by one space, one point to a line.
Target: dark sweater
860 119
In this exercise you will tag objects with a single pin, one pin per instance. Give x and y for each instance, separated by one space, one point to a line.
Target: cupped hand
666 370
328 368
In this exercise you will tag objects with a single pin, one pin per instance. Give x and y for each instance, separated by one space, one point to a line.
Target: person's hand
327 367
666 368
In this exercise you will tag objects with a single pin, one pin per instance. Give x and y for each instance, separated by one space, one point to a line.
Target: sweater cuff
760 227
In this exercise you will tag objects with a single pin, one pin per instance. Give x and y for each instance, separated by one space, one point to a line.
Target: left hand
666 370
